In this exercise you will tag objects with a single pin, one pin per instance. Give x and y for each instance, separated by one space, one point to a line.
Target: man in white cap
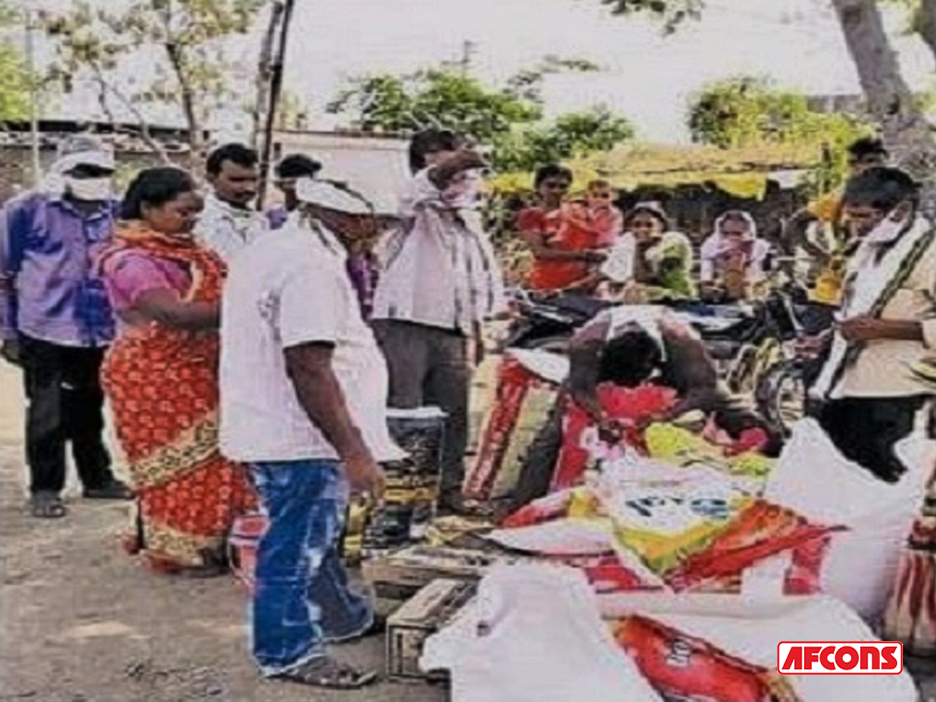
56 322
303 395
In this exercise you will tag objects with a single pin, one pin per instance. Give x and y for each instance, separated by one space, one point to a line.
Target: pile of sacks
814 524
540 633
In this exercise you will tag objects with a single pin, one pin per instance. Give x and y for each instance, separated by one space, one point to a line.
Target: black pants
65 404
865 430
429 367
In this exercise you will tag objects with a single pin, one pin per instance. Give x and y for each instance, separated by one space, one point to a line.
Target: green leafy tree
15 80
93 39
507 118
570 135
748 112
906 130
433 98
14 84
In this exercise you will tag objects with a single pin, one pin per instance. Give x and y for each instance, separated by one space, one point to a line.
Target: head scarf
331 195
737 214
74 151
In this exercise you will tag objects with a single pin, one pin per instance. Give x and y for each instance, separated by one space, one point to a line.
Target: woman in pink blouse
161 377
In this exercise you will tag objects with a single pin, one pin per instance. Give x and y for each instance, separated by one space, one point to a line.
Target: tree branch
187 92
105 86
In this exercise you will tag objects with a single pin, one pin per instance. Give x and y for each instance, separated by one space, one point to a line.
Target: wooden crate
400 575
434 606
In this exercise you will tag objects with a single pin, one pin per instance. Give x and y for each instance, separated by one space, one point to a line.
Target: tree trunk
264 75
276 85
906 132
189 107
105 87
924 22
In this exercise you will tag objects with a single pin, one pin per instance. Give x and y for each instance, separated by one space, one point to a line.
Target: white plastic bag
534 633
750 629
813 478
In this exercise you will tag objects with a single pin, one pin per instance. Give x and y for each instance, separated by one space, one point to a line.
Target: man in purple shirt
56 322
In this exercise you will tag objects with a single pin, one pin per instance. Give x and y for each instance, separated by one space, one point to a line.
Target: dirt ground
82 622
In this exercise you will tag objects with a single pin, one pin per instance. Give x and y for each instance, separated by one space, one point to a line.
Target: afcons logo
840 658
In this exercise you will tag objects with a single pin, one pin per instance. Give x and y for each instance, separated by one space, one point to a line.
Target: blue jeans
302 598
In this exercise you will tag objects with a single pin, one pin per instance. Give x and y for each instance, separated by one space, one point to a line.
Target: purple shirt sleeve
130 275
13 232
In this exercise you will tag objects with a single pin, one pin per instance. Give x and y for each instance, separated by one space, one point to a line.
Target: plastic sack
513 381
759 531
680 446
750 629
814 479
501 647
626 404
665 525
684 667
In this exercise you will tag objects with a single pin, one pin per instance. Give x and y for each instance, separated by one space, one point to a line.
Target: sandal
327 673
114 490
47 505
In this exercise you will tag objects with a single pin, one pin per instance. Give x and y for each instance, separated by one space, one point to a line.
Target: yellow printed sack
665 525
681 447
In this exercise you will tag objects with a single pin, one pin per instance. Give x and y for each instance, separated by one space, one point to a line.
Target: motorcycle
547 322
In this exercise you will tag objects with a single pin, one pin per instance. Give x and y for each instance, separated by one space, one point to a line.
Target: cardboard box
433 607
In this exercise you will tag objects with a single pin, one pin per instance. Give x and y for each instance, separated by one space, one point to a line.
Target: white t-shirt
226 229
284 290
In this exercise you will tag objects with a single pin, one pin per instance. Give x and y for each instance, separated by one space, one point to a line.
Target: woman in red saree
160 377
564 244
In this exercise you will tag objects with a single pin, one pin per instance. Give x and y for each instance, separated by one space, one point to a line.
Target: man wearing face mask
56 321
229 222
866 400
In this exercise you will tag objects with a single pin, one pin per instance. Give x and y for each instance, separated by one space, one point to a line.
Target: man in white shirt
887 322
439 282
228 222
303 396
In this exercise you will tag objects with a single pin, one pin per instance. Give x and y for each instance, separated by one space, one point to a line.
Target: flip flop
47 505
329 674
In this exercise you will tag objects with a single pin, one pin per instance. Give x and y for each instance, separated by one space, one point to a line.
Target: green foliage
92 41
747 112
433 98
15 81
572 135
671 13
508 118
14 84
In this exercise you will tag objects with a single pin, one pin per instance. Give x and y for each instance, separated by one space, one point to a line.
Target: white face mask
887 231
89 189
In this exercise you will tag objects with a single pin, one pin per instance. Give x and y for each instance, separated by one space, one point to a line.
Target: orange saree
162 385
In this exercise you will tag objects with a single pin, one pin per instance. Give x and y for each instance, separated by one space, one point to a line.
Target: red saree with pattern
162 384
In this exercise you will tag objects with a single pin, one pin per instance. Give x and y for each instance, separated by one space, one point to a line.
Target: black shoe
113 490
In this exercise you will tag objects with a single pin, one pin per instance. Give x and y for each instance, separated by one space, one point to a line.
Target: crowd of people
248 357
